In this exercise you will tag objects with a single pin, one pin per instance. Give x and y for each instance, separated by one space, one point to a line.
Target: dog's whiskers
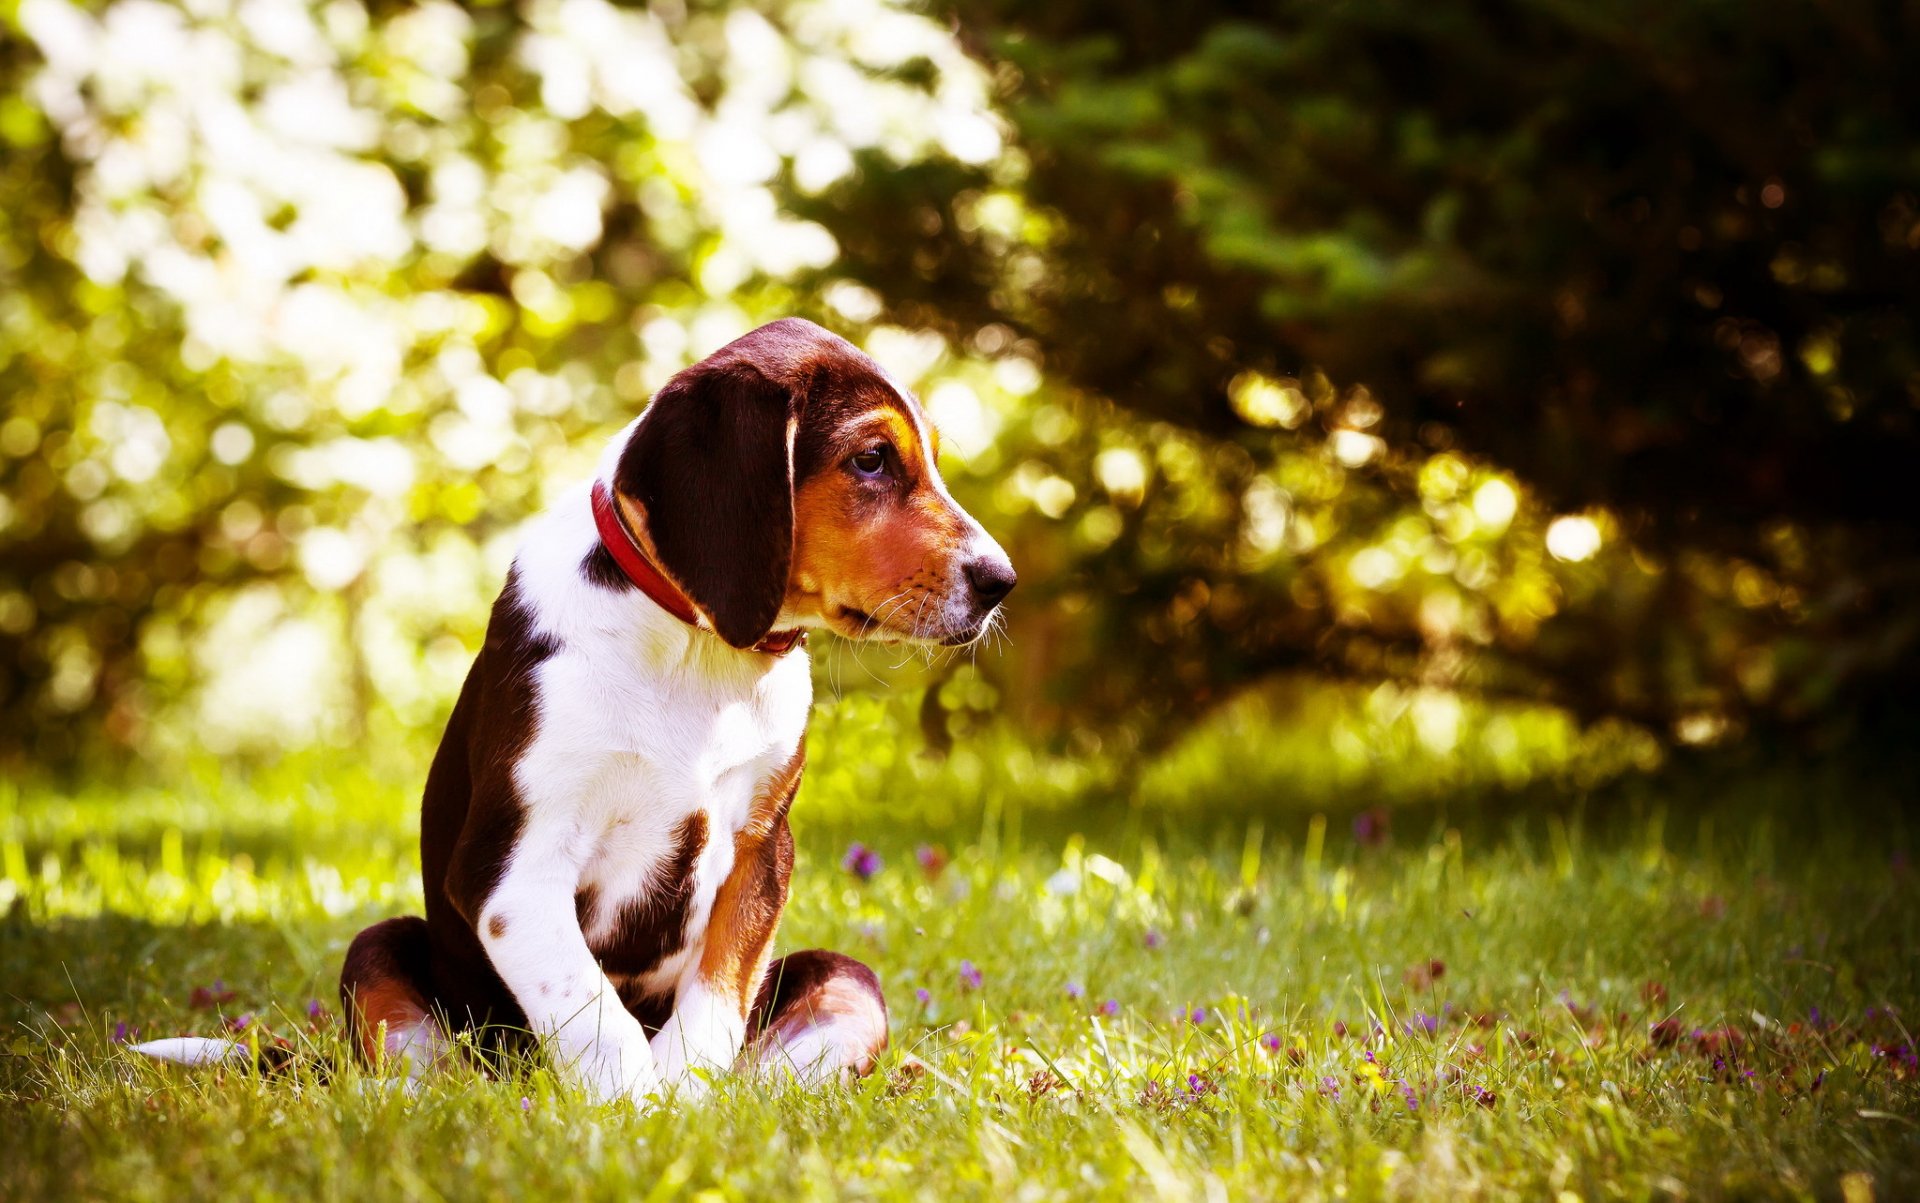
876 617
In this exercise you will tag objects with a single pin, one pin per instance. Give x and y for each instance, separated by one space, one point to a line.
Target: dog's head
786 481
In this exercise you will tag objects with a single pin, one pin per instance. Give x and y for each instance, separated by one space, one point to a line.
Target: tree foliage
1661 261
304 307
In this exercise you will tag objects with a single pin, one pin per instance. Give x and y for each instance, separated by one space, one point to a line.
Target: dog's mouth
852 622
856 618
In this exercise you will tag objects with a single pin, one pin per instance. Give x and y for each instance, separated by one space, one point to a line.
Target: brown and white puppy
604 834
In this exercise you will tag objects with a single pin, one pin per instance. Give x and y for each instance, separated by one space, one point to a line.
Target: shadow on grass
1785 811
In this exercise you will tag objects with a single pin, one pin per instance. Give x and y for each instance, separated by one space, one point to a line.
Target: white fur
642 720
416 1047
700 1041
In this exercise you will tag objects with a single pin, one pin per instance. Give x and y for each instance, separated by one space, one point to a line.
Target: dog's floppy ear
711 464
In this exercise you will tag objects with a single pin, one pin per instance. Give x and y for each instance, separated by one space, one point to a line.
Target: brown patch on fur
497 926
775 798
870 559
653 927
387 979
806 989
635 516
747 906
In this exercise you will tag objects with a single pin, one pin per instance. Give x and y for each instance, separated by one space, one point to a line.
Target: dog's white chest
649 772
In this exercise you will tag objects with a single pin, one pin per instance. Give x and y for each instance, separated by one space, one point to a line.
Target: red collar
625 550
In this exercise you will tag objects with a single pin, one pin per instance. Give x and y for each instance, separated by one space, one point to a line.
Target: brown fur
808 988
379 983
747 906
653 929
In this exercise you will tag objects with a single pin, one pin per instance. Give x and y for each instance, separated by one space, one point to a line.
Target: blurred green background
1372 395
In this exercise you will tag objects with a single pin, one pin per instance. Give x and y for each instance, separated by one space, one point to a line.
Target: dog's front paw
681 1074
610 1070
699 1043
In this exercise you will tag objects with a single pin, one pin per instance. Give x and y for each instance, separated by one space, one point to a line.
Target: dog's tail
203 1052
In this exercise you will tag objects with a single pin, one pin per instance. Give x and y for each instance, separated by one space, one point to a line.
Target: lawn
1691 985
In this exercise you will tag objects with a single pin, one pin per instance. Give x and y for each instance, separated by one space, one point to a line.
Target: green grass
1749 903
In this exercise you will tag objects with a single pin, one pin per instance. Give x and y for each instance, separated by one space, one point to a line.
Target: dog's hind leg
819 1016
386 990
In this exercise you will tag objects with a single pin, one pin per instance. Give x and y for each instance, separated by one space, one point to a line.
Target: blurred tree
304 305
1660 260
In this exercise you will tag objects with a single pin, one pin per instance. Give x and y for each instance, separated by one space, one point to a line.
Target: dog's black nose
992 579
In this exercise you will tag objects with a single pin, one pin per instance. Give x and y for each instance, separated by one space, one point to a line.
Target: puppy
604 836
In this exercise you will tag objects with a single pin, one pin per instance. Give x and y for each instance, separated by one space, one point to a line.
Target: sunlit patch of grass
1084 1003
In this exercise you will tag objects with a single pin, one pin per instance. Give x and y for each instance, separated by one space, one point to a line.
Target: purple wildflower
526 1104
1197 1085
1153 939
861 861
1271 1042
932 859
1370 827
923 996
241 1022
314 1009
1197 1016
1423 1022
1330 1086
1075 991
969 975
209 997
1110 1007
120 1032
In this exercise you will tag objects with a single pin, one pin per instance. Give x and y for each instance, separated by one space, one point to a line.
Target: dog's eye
871 462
